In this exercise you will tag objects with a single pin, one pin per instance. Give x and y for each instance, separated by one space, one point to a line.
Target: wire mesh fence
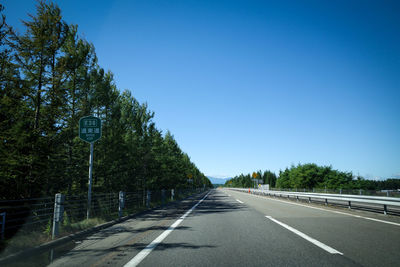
37 214
33 213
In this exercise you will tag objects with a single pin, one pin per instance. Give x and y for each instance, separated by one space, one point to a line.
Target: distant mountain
215 180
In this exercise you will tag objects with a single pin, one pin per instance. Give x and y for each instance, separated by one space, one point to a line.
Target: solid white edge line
146 251
338 212
241 202
306 237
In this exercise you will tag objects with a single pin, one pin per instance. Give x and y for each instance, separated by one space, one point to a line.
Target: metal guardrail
349 199
341 191
395 199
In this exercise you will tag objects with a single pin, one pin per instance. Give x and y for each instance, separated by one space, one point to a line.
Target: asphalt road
229 228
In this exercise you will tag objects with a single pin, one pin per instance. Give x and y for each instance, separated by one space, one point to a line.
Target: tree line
49 79
247 180
311 175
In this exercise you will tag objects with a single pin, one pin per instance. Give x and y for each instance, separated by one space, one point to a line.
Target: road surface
228 228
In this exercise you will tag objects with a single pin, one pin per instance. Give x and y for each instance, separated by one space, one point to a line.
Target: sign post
254 177
90 131
90 181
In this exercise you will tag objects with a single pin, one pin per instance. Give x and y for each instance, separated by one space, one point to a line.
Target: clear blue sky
248 85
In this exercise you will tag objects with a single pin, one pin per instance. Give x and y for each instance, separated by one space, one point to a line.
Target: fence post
121 202
172 194
58 213
3 223
360 191
340 191
148 198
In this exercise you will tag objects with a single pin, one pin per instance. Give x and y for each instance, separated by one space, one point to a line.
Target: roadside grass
29 237
22 240
70 228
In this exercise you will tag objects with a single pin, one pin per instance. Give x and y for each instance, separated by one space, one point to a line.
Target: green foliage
310 176
269 178
49 78
242 180
82 225
47 230
313 176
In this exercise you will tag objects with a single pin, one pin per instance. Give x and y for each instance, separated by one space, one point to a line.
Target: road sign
89 129
254 175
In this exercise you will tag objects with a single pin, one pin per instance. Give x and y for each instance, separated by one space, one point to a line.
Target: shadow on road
218 204
122 229
131 234
215 203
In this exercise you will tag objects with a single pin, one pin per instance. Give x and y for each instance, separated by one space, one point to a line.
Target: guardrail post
385 209
148 198
3 223
297 198
326 201
121 202
172 194
309 200
360 191
58 213
340 191
350 205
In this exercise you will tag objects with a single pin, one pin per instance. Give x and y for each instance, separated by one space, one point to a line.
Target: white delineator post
58 213
121 203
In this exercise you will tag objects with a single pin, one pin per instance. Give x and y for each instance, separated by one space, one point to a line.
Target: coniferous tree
49 78
14 125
